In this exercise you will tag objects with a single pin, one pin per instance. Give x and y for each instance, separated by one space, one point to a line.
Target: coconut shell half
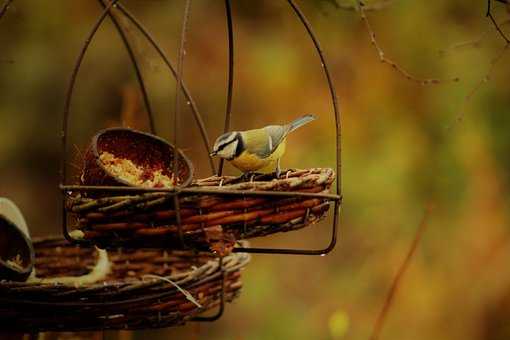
152 154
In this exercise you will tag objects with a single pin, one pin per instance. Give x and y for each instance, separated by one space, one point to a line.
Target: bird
257 150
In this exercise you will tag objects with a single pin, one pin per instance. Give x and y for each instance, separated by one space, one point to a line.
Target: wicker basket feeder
214 212
143 289
211 213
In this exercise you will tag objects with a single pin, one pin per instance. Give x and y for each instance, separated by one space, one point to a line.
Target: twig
379 323
460 115
80 157
368 7
394 65
5 7
182 290
490 16
470 43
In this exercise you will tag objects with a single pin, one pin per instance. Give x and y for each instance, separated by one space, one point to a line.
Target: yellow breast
247 161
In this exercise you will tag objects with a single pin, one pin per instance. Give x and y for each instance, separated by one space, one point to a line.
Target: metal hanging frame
107 12
177 191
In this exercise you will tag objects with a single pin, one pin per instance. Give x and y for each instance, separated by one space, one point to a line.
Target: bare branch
379 323
383 59
367 7
474 43
478 85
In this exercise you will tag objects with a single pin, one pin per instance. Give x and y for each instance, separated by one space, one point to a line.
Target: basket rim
100 133
113 211
194 188
138 281
138 301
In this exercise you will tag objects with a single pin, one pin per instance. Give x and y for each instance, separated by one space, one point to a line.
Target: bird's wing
262 142
276 135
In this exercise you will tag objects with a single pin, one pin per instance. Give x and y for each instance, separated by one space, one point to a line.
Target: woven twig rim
117 303
207 210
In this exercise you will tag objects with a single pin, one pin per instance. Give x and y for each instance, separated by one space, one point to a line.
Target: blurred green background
403 149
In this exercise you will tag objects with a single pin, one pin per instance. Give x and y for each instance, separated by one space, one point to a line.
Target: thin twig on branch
478 85
384 59
379 323
367 7
474 43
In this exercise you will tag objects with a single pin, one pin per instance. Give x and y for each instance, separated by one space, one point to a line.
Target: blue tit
257 150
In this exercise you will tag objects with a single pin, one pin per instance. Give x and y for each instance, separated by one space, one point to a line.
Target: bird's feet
249 176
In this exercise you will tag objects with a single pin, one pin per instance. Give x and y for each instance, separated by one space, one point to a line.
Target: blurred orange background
403 149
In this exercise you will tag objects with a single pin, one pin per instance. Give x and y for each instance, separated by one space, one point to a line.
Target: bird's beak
214 153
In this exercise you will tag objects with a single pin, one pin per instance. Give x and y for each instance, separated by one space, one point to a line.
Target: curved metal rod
200 190
178 83
4 8
332 91
228 112
70 89
136 67
320 252
334 99
67 107
194 109
221 308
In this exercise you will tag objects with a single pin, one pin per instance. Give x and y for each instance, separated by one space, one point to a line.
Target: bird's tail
301 121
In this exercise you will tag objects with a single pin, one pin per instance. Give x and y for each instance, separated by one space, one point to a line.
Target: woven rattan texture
130 298
211 214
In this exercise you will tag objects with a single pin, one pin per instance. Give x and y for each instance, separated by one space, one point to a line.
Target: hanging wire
5 7
221 308
152 41
180 66
177 190
67 107
72 82
332 91
228 112
338 197
189 99
136 67
494 22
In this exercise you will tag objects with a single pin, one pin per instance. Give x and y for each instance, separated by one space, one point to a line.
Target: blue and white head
228 145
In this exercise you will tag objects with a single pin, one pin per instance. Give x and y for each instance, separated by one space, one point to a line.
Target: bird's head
227 145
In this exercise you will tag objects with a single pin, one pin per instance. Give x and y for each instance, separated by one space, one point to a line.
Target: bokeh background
403 149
